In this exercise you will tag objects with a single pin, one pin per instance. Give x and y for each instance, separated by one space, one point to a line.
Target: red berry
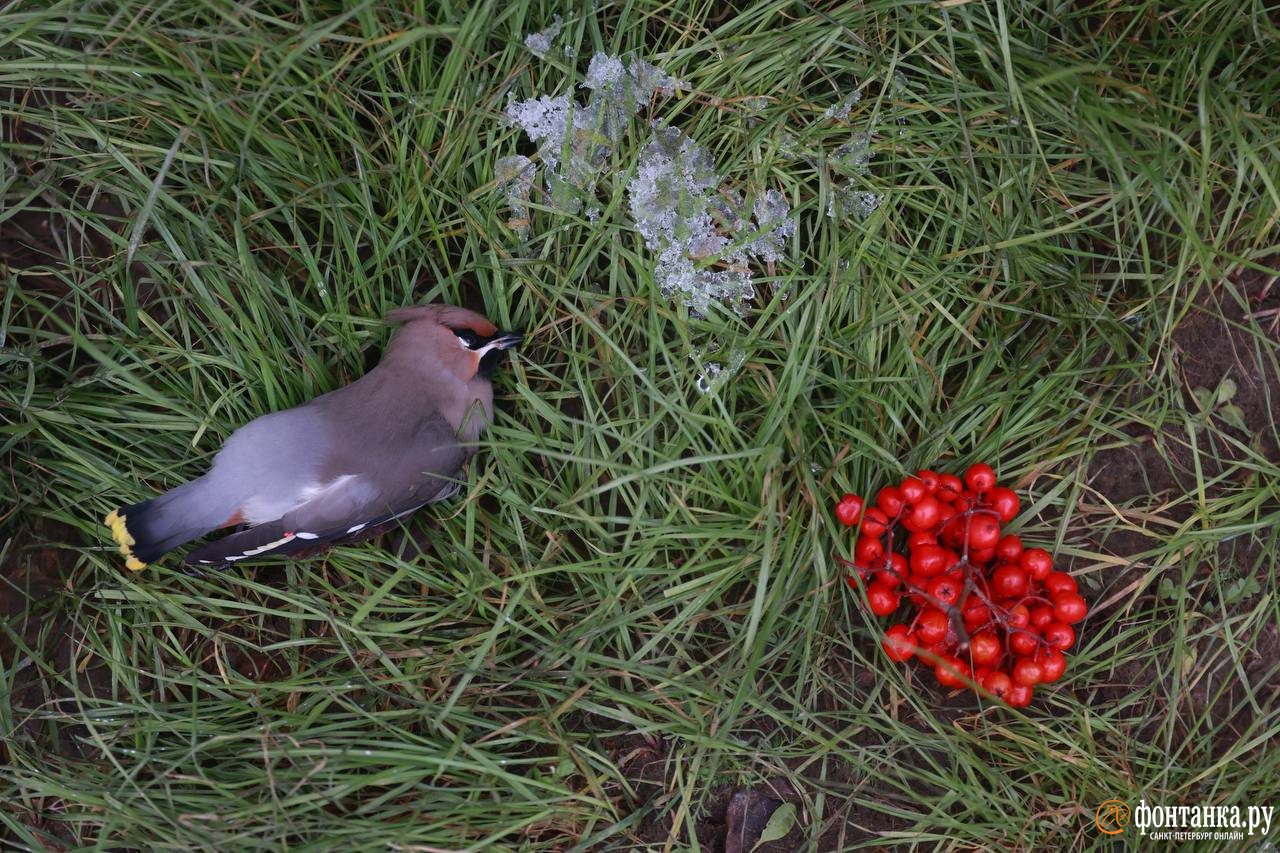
931 626
1009 548
1004 501
1009 581
952 533
1018 616
1019 696
1022 643
984 532
984 648
1059 635
951 671
919 582
945 589
981 556
898 565
1037 562
890 501
1028 672
1052 664
929 478
913 490
874 522
1060 583
848 510
976 614
924 515
949 487
997 683
980 477
921 537
899 644
1069 608
1040 616
882 598
928 560
868 550
888 577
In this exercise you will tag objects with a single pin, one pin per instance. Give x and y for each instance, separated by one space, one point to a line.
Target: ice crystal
854 155
688 222
840 111
574 139
774 222
756 103
539 43
544 119
848 199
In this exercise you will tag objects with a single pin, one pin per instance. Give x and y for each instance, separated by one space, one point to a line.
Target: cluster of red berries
987 613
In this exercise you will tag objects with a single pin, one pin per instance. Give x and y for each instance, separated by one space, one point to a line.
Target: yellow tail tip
120 533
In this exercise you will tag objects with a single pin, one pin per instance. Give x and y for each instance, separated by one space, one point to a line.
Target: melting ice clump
713 374
681 215
515 175
575 139
855 154
774 221
848 199
840 111
852 159
539 44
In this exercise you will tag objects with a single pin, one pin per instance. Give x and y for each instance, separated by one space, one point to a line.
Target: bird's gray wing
380 486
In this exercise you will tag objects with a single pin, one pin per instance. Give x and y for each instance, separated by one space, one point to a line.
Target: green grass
639 573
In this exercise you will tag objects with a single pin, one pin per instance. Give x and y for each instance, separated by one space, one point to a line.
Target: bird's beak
508 339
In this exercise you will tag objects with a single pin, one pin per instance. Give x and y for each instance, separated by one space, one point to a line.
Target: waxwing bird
363 455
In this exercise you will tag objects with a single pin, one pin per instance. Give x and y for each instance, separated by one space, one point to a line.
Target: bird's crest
446 315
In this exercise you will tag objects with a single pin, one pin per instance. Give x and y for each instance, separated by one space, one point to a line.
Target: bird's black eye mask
491 347
472 340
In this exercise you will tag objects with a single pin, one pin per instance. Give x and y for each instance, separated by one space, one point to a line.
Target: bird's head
462 341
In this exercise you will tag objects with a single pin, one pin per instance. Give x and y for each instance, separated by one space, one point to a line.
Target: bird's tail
145 531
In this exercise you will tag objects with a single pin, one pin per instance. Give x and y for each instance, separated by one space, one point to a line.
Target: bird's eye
466 336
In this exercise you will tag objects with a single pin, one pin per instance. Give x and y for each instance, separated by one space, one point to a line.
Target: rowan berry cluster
983 611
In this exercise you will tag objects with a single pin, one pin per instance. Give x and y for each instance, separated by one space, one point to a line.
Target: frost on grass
540 43
703 238
575 139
